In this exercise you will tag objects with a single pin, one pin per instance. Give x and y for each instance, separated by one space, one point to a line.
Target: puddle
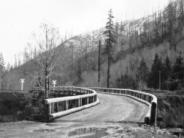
44 130
52 124
90 132
1 130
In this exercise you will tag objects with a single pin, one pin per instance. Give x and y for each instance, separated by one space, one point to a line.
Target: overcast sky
20 18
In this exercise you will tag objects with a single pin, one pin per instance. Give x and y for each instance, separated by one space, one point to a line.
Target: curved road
111 108
98 121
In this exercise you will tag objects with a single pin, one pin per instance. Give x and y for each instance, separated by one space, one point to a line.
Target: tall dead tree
171 23
109 43
99 62
46 58
181 14
2 70
72 57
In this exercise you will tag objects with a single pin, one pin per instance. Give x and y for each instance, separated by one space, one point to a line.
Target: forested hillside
146 53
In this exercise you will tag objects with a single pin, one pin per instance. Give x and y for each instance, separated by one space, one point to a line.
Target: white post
54 83
22 84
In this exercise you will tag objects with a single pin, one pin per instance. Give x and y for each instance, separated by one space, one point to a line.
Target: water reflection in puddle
52 124
44 130
91 132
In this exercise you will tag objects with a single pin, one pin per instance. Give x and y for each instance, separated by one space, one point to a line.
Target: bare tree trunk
46 67
46 90
108 71
108 62
72 61
99 54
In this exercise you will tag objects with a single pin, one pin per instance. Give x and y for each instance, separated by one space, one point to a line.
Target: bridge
89 97
89 112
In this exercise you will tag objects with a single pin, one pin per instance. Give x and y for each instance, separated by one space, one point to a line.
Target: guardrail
146 98
60 106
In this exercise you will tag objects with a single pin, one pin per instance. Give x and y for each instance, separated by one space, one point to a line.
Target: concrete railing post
66 105
153 117
79 102
87 100
47 112
49 107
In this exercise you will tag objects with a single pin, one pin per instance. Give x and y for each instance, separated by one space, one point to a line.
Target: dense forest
140 54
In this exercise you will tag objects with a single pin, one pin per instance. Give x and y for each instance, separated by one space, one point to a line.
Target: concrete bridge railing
146 98
61 106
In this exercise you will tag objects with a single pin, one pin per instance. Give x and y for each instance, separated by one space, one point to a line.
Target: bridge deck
111 108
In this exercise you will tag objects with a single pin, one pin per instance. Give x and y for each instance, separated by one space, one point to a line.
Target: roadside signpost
54 83
22 80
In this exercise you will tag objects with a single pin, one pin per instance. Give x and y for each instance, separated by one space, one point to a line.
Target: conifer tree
142 73
109 33
166 74
167 68
171 21
181 15
178 68
156 73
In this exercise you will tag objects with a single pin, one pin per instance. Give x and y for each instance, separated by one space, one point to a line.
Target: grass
171 111
15 106
12 106
170 108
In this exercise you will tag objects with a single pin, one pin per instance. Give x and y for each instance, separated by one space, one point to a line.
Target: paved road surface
98 121
111 108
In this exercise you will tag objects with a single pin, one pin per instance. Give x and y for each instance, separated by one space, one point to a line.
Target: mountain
77 58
